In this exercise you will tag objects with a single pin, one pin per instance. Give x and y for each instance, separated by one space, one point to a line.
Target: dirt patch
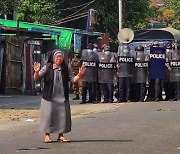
8 115
93 108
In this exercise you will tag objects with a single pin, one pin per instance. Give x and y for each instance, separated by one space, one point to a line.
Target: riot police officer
106 73
156 78
89 79
124 72
167 85
175 71
96 86
140 74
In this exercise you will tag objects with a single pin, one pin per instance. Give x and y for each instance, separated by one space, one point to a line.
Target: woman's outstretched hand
36 67
82 69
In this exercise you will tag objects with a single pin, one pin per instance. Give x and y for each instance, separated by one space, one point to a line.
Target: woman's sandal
62 139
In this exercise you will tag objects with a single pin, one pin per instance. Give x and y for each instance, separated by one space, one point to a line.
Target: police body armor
105 67
175 65
89 60
140 67
124 62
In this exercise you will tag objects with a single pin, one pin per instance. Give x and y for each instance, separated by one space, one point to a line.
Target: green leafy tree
168 13
36 11
58 12
7 6
73 14
137 14
174 5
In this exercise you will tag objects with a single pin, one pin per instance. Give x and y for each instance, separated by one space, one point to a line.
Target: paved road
136 128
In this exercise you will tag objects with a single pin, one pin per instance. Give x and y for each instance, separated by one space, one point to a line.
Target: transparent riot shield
106 67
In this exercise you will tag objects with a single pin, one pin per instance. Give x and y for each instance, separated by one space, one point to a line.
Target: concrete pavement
135 128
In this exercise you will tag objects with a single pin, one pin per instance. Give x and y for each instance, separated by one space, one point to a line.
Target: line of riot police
129 71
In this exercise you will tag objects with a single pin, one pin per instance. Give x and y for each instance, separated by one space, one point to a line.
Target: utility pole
15 12
120 15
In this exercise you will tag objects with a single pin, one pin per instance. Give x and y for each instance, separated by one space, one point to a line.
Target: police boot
77 97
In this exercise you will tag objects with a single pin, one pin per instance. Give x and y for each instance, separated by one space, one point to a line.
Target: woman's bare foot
47 138
62 139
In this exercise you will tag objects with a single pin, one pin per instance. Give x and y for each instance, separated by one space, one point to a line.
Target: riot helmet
90 46
95 46
167 45
77 55
178 48
155 44
95 50
139 48
107 53
89 51
126 49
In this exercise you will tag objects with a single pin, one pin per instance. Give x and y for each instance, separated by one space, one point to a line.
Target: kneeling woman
55 114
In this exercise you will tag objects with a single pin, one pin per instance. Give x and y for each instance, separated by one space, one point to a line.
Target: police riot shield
175 65
124 61
140 67
89 60
106 67
157 68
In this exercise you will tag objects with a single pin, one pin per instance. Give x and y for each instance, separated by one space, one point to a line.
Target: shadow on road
102 141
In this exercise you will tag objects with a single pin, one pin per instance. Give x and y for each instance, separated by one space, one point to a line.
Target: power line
81 8
73 16
70 19
74 7
77 16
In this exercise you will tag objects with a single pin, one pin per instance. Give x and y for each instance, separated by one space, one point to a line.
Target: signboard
77 43
157 63
91 20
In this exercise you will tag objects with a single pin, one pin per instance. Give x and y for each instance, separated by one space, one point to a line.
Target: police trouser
107 90
139 91
124 88
97 92
169 90
177 90
91 88
86 86
158 89
151 91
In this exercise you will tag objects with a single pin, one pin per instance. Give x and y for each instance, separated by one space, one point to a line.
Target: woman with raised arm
55 114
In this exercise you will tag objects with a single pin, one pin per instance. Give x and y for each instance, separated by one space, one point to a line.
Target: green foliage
7 6
36 11
168 13
175 6
137 14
